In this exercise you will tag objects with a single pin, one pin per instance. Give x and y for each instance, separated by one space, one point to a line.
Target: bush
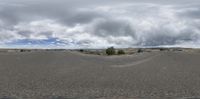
162 49
22 50
140 51
121 52
110 51
81 50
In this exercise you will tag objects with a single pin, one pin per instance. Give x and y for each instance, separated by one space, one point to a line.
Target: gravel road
71 75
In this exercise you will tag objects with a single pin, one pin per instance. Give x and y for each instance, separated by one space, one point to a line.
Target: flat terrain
72 75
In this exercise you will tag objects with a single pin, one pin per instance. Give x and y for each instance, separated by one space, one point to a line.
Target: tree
81 50
140 51
120 52
110 51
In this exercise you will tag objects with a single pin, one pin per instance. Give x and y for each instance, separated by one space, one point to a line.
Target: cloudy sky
99 23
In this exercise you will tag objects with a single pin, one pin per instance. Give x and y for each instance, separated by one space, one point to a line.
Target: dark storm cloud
64 11
165 39
14 11
113 27
102 23
192 12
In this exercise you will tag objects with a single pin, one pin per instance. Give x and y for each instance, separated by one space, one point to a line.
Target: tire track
135 62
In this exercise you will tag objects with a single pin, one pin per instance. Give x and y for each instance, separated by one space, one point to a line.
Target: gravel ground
71 75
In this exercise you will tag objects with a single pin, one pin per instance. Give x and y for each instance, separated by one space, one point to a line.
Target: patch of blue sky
50 42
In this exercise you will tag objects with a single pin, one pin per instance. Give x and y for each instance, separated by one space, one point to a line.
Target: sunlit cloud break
122 24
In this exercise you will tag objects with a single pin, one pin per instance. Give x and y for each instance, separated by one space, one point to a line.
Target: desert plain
67 74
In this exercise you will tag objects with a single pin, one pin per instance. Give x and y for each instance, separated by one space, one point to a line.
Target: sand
72 75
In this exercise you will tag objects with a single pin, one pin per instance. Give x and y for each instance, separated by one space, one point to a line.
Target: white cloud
121 25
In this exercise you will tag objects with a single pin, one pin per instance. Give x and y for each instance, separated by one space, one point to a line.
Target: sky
99 23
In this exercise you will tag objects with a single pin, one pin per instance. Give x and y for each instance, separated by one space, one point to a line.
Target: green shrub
162 49
120 52
81 50
140 51
110 51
